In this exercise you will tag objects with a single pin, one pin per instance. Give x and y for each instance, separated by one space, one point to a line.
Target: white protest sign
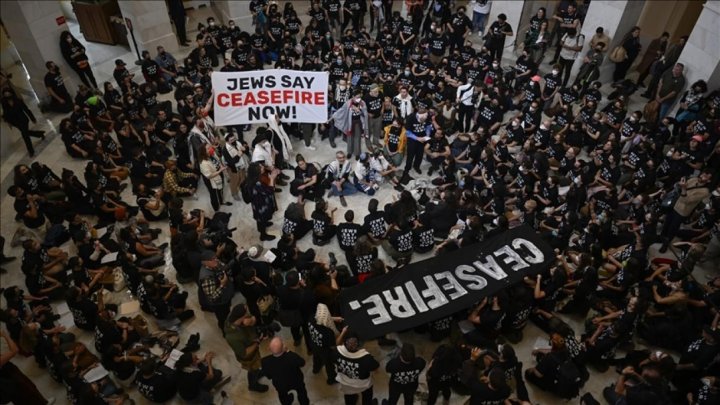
256 96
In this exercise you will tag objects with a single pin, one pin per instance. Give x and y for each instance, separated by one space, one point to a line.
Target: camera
268 330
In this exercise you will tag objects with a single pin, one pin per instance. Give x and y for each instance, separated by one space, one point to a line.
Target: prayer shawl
280 132
343 117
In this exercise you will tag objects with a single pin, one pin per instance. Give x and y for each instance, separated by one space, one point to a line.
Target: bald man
284 368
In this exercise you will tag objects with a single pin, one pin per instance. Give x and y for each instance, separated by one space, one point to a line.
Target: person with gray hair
284 368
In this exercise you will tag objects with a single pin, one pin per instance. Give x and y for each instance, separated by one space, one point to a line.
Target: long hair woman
212 175
74 53
261 186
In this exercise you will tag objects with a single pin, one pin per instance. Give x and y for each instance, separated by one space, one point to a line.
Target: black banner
441 286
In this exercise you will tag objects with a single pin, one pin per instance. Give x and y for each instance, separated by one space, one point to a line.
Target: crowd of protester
467 146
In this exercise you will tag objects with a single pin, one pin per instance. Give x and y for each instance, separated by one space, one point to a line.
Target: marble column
701 55
33 29
151 26
239 12
616 17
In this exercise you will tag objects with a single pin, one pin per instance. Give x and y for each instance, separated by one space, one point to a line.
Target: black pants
286 398
414 155
496 51
86 75
367 397
221 312
673 221
407 391
17 387
180 28
621 69
565 68
355 18
216 195
465 115
26 133
324 357
435 387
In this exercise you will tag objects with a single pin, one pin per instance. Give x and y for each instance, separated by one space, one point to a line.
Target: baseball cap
119 62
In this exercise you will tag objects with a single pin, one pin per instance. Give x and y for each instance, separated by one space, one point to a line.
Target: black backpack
245 192
568 379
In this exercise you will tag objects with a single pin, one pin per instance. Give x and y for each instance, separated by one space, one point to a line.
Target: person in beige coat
692 192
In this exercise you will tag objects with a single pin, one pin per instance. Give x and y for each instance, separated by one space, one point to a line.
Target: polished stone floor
52 153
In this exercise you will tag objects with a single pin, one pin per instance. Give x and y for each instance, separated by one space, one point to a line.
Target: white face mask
495 65
212 23
555 72
357 99
341 87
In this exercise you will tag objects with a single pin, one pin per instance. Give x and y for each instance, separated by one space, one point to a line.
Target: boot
253 384
193 344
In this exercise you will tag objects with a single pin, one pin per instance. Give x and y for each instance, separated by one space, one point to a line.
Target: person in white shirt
481 9
403 103
363 177
263 152
464 98
383 170
233 154
212 173
337 178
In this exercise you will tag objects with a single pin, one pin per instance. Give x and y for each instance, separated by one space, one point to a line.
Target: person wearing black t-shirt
404 373
491 390
195 377
306 179
399 242
354 366
348 233
374 222
154 385
284 368
323 228
83 310
495 37
74 53
60 100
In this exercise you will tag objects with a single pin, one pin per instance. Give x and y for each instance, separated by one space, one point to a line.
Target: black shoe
349 156
330 381
400 188
316 371
284 176
333 259
552 62
163 246
405 179
663 248
193 344
417 170
266 237
269 224
431 170
342 201
278 190
227 204
332 144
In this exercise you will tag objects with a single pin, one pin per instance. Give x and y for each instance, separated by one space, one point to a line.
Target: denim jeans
478 22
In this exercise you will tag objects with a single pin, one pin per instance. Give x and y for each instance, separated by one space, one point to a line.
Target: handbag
82 64
651 111
618 54
265 304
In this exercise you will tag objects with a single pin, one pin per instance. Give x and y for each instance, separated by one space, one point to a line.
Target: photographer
243 338
216 289
284 368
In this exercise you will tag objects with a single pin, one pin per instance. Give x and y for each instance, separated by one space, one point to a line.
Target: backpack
568 379
618 54
246 195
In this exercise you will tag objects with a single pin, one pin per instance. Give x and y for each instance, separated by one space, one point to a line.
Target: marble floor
52 153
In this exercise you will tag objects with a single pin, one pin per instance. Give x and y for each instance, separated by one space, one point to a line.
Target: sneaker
310 147
342 201
333 259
